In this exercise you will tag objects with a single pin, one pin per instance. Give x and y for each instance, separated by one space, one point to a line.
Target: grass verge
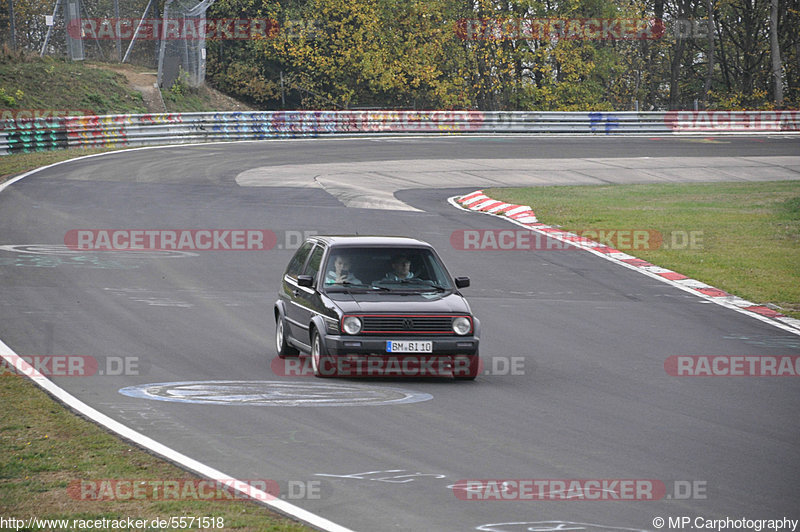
747 234
44 448
18 163
68 87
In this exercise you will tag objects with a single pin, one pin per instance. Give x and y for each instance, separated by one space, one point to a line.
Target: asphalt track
593 400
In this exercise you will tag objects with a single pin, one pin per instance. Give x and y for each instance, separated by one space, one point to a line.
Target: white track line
278 505
162 450
527 219
193 465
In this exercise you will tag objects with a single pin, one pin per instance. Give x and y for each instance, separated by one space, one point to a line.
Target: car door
307 298
290 291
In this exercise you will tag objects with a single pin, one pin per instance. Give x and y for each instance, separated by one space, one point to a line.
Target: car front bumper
376 345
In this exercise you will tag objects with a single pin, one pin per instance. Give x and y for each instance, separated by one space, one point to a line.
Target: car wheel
468 371
284 349
320 361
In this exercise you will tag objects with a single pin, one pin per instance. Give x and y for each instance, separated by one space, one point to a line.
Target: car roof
372 240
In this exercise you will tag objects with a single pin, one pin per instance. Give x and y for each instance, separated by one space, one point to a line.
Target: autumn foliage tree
482 54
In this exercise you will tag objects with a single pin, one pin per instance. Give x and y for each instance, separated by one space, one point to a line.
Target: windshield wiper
410 286
439 288
406 281
346 287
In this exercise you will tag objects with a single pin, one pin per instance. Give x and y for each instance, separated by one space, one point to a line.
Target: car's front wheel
283 347
321 363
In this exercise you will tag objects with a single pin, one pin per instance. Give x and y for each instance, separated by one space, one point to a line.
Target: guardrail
43 133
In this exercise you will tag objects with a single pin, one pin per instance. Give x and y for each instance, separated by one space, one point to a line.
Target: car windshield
385 269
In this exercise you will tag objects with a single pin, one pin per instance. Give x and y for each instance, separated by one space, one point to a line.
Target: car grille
407 324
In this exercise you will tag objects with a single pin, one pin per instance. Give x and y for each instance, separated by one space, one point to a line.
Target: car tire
320 360
281 345
472 369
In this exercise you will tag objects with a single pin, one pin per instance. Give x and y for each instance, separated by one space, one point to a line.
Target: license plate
403 346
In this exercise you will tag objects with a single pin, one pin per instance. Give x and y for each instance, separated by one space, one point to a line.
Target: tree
476 54
775 51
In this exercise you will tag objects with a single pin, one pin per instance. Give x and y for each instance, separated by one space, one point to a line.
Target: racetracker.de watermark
71 366
733 366
25 118
744 121
184 239
378 366
172 489
170 239
619 239
184 29
398 366
578 489
590 29
104 490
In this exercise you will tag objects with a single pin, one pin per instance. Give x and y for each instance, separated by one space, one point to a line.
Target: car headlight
462 326
351 325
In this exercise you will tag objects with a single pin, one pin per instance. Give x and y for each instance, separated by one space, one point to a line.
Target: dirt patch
223 102
144 82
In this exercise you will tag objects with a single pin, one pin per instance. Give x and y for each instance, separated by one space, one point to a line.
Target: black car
375 306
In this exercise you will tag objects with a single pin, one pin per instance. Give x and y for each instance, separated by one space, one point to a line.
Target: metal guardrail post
50 29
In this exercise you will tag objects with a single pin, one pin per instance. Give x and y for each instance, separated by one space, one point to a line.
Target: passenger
401 268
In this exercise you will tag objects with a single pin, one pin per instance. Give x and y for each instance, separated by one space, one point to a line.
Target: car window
299 260
374 268
350 266
434 270
312 268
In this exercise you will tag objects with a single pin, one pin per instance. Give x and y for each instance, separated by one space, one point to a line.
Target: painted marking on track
788 342
152 298
549 526
177 297
385 475
274 393
53 256
170 454
62 250
79 261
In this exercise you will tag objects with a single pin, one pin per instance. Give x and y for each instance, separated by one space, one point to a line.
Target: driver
401 268
341 272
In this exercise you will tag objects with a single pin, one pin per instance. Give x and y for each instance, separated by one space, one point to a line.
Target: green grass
18 163
44 448
189 101
750 232
182 98
58 87
57 84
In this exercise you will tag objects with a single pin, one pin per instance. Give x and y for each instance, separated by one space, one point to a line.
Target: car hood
388 303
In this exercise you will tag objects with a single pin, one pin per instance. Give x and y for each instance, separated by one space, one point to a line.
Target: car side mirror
305 280
462 282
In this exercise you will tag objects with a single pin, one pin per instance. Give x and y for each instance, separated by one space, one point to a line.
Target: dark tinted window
376 267
314 262
298 261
